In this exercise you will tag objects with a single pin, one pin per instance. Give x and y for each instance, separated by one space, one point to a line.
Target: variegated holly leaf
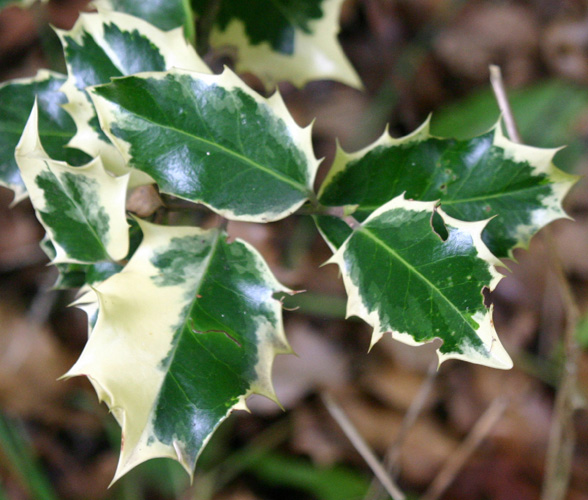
282 39
81 208
164 14
210 139
474 179
84 276
109 44
333 230
185 333
56 128
402 277
74 275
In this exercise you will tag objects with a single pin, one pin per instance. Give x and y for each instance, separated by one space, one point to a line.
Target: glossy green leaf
184 334
402 278
164 14
333 230
74 275
109 44
56 128
282 39
474 179
81 208
210 139
558 105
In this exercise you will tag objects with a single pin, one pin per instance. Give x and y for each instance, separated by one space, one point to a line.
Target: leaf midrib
209 258
97 237
214 145
364 230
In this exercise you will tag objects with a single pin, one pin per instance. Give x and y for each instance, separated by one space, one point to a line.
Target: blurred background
463 432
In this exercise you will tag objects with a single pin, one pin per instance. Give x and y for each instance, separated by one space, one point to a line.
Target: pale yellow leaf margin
174 48
317 56
301 136
32 160
20 193
134 332
356 306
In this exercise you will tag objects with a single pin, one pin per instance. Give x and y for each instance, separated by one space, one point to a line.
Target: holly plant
184 323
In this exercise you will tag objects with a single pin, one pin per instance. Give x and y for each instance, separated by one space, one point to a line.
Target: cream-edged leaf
165 14
56 128
402 277
77 275
211 139
333 230
185 332
483 177
283 39
81 208
110 44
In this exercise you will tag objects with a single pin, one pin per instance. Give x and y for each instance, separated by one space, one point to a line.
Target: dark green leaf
81 208
294 40
106 45
474 180
165 14
56 128
401 277
185 332
275 23
334 230
557 105
210 139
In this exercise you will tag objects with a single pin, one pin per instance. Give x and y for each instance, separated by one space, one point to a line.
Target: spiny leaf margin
172 297
316 52
403 229
56 127
517 183
180 126
109 44
81 208
164 14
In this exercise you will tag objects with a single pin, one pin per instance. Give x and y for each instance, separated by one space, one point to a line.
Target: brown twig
503 104
562 436
465 450
362 447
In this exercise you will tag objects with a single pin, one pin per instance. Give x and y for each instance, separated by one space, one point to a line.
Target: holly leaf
185 333
164 14
109 44
474 179
56 128
282 39
210 139
73 275
81 208
333 230
402 277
